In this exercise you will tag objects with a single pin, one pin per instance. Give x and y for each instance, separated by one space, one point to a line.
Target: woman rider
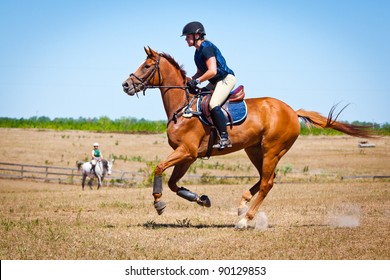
96 156
211 66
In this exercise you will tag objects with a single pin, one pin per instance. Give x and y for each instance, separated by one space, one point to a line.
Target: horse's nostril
125 85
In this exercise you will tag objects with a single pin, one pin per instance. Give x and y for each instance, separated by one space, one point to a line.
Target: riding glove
192 85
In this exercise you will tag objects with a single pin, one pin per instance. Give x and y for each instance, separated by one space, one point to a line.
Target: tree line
101 124
133 125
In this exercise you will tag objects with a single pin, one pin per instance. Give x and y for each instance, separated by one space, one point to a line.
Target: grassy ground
311 213
321 221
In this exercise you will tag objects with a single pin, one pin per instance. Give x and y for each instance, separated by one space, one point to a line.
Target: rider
211 66
96 156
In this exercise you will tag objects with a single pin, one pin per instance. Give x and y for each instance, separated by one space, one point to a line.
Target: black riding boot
220 123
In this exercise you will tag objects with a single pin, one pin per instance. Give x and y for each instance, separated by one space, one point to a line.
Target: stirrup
223 143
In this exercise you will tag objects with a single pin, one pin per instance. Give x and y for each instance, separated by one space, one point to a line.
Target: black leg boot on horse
220 123
160 205
193 197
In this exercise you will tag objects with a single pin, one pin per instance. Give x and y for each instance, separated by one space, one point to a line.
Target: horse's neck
99 168
173 98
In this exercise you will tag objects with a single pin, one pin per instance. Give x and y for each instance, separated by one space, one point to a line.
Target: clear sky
68 58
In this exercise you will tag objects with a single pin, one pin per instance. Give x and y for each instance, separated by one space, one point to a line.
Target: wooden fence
66 175
63 174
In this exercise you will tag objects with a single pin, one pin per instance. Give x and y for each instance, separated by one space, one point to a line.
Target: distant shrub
102 124
133 125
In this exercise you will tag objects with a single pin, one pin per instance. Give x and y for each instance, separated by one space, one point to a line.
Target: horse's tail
317 120
79 164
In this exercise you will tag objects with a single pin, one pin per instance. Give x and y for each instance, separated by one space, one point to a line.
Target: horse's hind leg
266 184
273 152
90 183
255 154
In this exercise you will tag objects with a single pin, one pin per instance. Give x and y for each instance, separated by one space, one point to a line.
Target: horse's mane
175 64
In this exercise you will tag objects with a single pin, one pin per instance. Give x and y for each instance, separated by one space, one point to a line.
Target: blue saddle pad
238 112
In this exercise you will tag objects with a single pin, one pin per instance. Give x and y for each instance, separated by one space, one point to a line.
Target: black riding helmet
193 28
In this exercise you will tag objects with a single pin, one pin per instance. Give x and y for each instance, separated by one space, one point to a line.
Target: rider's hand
192 85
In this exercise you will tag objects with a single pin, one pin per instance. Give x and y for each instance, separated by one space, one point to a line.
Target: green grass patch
133 125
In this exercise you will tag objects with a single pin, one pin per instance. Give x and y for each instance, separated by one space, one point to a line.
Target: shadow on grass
187 224
310 226
182 224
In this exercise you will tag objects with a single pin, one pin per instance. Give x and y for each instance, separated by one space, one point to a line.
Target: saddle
95 162
234 108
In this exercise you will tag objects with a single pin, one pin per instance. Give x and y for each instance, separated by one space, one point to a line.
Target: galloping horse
102 168
268 132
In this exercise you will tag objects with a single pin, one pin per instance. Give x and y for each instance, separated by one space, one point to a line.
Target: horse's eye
147 66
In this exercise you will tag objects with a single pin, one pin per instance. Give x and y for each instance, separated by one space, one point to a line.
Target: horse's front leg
83 181
100 182
182 157
178 172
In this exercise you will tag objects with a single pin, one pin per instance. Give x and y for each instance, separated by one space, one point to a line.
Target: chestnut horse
268 132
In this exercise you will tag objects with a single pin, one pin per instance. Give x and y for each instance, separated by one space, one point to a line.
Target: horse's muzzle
126 88
132 88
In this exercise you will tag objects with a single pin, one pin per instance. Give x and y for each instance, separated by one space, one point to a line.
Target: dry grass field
311 212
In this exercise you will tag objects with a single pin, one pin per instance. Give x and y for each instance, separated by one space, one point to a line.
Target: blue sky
69 58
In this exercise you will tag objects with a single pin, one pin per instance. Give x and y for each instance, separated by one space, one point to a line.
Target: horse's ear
147 50
150 52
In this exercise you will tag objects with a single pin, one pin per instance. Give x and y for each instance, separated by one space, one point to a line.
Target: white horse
102 168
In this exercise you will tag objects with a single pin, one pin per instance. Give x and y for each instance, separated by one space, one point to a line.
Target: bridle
145 81
185 109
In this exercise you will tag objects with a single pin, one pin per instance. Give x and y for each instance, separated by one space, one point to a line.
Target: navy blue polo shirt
207 50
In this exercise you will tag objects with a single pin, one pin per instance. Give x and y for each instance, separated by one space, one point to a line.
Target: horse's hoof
242 210
204 200
160 207
242 224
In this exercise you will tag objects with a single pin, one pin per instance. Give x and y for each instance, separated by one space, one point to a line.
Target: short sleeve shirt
207 50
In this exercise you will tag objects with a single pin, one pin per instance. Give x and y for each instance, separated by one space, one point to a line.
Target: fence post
47 173
71 178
